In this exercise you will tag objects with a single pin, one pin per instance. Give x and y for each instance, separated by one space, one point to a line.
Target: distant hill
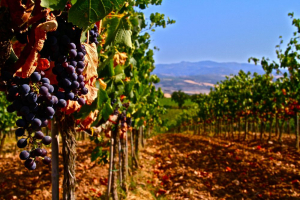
198 77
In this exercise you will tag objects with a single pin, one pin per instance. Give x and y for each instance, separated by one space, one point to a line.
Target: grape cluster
63 46
33 100
93 35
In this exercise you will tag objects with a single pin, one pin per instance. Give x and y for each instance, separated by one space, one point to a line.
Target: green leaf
102 97
54 4
119 69
86 12
107 110
111 68
124 37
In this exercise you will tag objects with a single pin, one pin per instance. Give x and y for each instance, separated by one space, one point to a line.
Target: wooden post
54 159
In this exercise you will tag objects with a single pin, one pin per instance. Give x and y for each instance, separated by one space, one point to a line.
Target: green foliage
7 120
179 97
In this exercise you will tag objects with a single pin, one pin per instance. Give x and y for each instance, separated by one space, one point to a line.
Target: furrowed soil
172 166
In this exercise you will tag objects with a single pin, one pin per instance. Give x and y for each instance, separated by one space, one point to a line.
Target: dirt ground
172 166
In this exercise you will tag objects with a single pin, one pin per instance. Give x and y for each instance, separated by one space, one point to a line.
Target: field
172 166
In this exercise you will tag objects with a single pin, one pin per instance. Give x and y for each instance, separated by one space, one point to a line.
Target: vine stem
54 160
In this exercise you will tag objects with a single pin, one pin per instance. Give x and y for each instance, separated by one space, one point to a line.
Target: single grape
20 132
47 160
80 78
47 85
67 82
17 104
72 53
80 56
46 140
62 103
36 122
70 69
75 85
70 96
51 88
45 80
65 64
39 135
43 90
35 77
24 89
21 123
80 64
84 91
10 97
24 155
32 97
44 122
82 85
72 46
44 152
73 76
10 109
24 110
73 63
38 152
50 111
22 143
81 101
30 164
29 117
13 90
79 70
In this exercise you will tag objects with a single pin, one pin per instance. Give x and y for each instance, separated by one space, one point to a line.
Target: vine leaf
54 4
91 58
87 122
119 32
91 11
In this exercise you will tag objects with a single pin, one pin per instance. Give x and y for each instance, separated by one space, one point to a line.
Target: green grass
169 102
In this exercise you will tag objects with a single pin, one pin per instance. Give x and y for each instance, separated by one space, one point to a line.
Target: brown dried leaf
91 95
40 35
91 60
87 122
119 59
18 48
72 107
19 12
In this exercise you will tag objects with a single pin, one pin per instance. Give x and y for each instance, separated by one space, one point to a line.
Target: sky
222 31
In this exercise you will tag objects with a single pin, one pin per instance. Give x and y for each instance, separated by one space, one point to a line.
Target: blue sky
222 31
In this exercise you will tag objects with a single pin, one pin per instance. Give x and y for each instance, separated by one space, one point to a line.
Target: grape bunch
93 35
64 48
33 100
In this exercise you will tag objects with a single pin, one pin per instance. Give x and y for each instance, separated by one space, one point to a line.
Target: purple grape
44 122
43 90
81 101
80 56
46 140
35 77
62 103
60 95
30 164
38 152
72 46
65 64
20 132
80 78
29 117
24 89
24 155
62 59
39 135
73 63
70 69
44 152
36 122
82 85
79 70
84 91
22 143
75 85
72 53
47 160
51 88
13 90
67 82
21 123
45 80
32 97
24 110
73 77
50 111
52 40
47 85
10 109
80 64
70 96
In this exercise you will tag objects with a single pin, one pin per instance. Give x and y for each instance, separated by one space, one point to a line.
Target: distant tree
179 97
